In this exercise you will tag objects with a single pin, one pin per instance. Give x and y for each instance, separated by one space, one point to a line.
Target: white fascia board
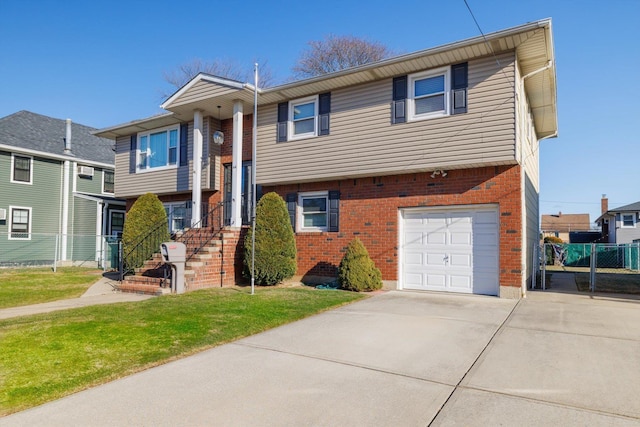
414 55
46 155
209 78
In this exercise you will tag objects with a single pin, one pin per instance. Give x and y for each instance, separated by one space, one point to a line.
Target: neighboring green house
56 192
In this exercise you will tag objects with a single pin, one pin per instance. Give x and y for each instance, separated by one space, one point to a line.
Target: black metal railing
135 254
203 232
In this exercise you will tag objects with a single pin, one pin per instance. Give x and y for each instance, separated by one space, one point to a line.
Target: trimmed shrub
357 271
275 257
145 227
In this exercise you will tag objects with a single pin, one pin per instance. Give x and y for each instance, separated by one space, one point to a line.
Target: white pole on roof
253 177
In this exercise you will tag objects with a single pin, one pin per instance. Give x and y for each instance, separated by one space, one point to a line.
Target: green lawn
47 356
26 286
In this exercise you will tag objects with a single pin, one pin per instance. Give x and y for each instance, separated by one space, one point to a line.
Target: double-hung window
628 220
21 169
303 117
158 148
20 227
108 185
313 211
429 94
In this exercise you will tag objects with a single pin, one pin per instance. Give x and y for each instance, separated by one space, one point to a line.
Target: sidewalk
99 293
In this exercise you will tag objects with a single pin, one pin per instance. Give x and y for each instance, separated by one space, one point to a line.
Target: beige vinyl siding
528 155
164 181
168 181
203 90
363 142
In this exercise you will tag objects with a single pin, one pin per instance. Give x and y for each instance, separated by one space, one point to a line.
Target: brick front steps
217 264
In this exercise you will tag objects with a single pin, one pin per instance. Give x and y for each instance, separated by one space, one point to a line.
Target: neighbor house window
158 148
302 117
628 220
109 182
20 227
21 167
313 212
429 94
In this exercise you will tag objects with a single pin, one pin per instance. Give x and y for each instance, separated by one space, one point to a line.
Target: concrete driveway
396 359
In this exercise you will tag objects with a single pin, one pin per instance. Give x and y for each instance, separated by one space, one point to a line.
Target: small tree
275 245
357 271
226 68
336 53
145 227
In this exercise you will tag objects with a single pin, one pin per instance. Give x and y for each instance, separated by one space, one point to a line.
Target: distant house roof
46 135
566 222
633 207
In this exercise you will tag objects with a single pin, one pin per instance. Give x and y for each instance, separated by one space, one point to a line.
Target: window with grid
21 169
109 182
20 223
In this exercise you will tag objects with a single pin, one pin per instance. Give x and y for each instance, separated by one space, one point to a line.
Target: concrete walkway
398 358
99 293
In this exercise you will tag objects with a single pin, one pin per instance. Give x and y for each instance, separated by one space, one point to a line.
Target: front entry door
247 195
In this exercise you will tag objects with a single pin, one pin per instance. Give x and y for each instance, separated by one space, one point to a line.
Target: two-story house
620 225
56 191
430 158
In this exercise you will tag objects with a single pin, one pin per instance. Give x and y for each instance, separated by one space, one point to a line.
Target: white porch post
196 191
236 166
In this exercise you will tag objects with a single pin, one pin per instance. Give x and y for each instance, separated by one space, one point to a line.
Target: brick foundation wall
369 210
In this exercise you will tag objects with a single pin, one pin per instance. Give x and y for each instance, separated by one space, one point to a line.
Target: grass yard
27 286
47 356
610 282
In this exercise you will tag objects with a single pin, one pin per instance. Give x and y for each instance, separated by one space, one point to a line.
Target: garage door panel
435 259
436 238
414 258
460 260
414 280
436 281
461 238
413 238
460 283
454 251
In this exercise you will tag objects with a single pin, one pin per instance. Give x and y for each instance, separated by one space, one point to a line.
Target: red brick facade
369 209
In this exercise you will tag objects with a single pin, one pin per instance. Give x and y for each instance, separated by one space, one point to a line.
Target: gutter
46 155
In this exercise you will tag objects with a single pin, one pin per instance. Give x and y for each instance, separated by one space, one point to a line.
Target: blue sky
101 63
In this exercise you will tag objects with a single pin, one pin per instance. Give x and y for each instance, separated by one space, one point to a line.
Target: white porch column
236 166
196 188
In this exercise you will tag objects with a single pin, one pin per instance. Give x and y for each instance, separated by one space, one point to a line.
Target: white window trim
104 175
633 218
446 71
300 216
111 212
30 169
148 135
11 208
290 126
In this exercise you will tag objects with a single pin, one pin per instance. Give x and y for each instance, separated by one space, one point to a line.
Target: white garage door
453 250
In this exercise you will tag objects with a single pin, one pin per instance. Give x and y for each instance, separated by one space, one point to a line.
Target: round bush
275 257
357 271
147 215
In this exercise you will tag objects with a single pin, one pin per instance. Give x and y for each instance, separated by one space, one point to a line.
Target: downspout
99 219
65 193
196 188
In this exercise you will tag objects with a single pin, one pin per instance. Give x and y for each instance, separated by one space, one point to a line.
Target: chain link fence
57 250
597 266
